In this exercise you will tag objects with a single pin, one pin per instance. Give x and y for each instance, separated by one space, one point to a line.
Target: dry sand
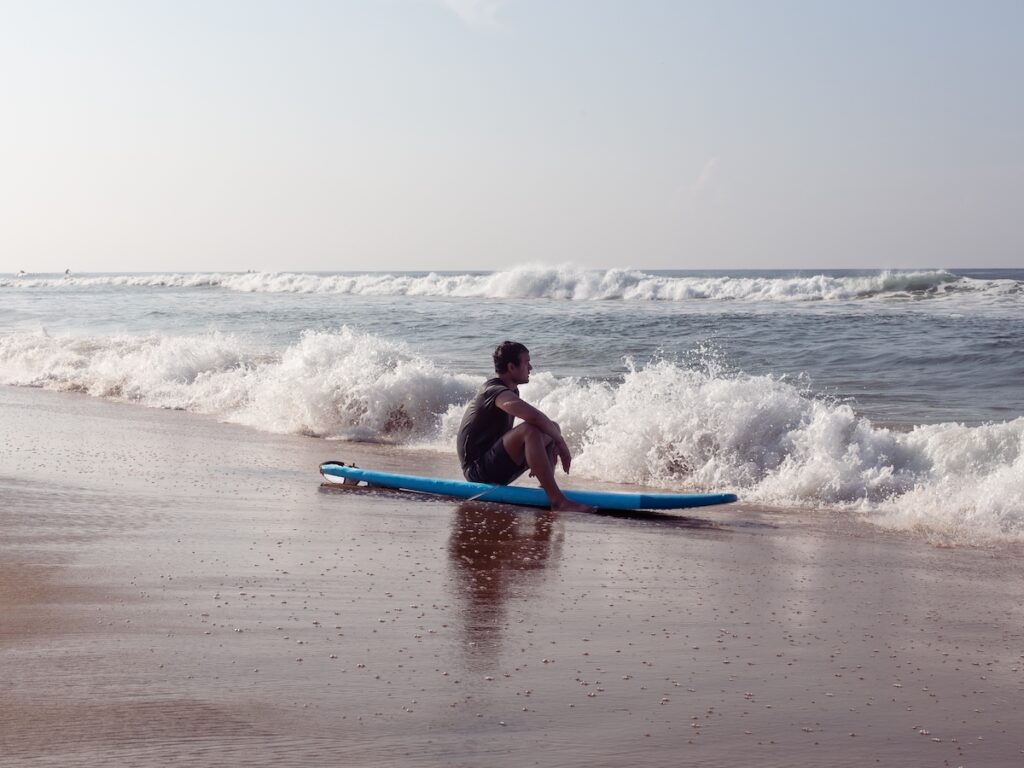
177 592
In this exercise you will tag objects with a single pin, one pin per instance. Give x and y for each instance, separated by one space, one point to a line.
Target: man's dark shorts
495 467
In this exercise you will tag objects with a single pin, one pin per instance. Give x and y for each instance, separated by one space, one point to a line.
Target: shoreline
177 591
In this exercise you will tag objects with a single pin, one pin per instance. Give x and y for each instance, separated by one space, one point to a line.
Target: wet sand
177 592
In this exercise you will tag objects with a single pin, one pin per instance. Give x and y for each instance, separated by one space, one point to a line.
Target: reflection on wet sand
497 553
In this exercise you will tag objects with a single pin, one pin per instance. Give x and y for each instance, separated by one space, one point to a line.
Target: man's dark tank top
483 423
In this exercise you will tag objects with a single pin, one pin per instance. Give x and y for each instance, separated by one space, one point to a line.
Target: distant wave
661 424
563 283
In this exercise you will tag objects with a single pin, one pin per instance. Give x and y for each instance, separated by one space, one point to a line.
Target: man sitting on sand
493 451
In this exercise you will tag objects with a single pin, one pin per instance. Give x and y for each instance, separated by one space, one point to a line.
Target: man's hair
507 353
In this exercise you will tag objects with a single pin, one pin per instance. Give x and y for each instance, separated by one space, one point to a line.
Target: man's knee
536 433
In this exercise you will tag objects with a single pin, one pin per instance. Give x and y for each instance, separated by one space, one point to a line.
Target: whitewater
894 394
570 283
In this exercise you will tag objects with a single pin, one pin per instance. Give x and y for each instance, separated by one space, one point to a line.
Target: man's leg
527 443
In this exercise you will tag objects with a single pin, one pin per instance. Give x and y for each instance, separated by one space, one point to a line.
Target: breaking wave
662 423
343 385
562 283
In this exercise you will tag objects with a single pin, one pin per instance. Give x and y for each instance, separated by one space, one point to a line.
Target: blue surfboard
344 474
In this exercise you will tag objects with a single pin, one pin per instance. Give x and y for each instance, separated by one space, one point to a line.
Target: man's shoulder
493 389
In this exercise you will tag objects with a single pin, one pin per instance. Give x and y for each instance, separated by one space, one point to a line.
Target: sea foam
664 423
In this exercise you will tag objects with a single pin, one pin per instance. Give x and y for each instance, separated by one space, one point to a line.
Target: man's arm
512 404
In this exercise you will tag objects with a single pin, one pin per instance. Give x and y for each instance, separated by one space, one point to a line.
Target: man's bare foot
568 505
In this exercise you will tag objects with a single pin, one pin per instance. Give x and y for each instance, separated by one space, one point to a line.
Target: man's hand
558 449
511 403
561 449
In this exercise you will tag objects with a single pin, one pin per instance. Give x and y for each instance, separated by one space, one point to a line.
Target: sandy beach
175 591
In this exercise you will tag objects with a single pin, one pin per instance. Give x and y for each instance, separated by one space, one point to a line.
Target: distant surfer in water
493 451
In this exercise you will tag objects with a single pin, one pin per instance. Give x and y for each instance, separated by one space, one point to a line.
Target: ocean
894 395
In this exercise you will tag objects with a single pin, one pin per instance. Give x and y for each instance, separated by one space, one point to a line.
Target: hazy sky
450 134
